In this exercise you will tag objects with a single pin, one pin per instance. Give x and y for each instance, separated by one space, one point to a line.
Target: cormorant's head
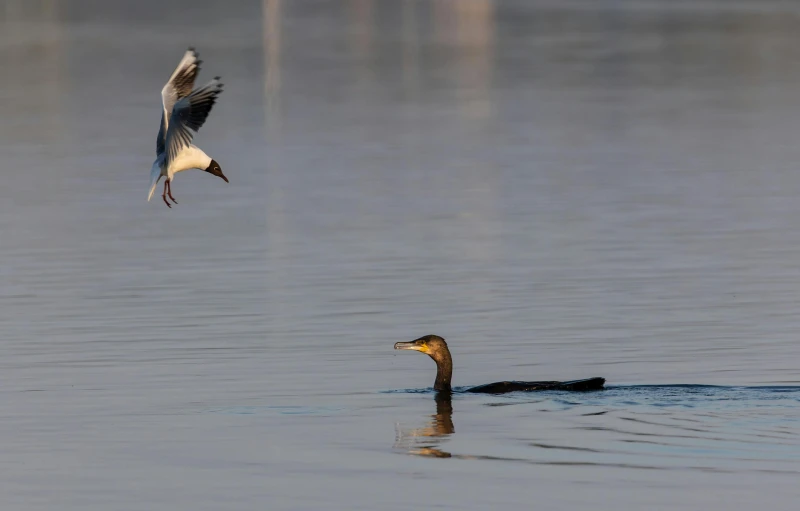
435 347
432 345
214 168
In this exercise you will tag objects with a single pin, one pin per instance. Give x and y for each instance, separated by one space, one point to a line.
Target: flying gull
184 112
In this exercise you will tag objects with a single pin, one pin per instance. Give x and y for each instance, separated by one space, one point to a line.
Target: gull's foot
169 192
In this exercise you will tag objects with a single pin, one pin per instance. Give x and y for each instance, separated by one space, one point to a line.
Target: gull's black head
214 168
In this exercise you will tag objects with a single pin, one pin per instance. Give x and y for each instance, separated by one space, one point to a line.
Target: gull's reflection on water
426 440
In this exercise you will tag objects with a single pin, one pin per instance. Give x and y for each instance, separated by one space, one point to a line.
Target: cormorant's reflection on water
425 441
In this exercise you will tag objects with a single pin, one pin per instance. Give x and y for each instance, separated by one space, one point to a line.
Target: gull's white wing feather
178 86
188 115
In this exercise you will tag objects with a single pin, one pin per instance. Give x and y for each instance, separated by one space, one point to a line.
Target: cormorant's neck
444 372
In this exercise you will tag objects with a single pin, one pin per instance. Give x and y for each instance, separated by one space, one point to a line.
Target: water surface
561 189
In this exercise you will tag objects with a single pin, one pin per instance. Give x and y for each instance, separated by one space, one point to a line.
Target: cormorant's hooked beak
413 345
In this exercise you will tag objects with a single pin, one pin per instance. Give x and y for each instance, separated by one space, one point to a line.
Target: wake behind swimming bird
184 111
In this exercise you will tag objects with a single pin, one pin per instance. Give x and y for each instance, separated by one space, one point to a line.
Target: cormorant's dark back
436 348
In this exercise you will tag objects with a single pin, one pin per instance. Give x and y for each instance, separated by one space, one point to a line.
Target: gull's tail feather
155 176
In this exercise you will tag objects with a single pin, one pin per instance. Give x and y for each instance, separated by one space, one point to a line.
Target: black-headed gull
184 112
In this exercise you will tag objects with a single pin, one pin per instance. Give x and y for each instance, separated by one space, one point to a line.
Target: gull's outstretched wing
188 115
178 86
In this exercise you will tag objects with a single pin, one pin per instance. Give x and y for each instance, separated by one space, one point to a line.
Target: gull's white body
184 110
191 157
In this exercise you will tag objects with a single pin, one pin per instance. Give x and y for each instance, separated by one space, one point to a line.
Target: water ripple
660 427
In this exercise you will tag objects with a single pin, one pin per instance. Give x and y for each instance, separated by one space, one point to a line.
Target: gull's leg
169 191
164 195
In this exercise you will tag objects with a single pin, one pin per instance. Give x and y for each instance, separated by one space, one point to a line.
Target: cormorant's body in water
436 348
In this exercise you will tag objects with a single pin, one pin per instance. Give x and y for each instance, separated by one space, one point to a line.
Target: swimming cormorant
436 348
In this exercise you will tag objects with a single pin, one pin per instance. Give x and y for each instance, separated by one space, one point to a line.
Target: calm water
561 189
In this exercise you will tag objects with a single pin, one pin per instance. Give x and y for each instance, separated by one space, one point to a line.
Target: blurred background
562 189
